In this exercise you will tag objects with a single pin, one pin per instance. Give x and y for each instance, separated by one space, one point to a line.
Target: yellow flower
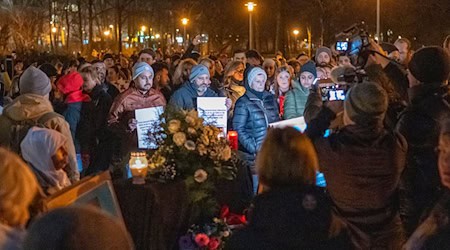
192 131
200 175
202 149
204 139
174 126
179 138
190 120
192 113
189 145
226 153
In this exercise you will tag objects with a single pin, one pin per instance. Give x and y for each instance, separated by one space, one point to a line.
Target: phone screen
342 46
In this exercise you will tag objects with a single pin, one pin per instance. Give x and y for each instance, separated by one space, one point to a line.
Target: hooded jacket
280 220
252 116
295 101
32 107
186 96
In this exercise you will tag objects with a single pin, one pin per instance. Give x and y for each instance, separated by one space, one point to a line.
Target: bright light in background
184 21
157 36
296 32
106 33
111 26
143 28
250 6
54 29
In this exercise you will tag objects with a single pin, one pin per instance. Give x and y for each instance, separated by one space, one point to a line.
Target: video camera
354 42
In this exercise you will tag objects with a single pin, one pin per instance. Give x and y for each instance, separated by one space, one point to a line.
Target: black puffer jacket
420 125
251 119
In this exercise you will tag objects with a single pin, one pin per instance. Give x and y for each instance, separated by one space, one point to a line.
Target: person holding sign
198 86
140 95
253 113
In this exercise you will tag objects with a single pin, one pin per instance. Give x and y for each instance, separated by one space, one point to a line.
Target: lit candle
233 139
138 166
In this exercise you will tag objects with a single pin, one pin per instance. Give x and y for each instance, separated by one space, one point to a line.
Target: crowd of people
383 150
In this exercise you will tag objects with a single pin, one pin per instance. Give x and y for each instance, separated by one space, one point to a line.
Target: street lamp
54 29
106 32
295 32
250 8
184 21
143 28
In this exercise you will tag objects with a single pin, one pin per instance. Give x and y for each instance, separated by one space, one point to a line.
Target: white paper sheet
298 123
146 120
214 111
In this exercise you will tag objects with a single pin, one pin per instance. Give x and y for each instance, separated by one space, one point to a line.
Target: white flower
174 126
179 138
200 175
189 145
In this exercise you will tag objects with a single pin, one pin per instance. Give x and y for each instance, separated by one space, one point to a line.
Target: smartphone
332 91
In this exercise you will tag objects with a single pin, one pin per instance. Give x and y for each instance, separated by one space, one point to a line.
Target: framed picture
95 191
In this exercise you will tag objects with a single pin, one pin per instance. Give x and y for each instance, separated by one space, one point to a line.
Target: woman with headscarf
46 154
18 190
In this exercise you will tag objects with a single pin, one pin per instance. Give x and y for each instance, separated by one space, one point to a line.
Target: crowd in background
385 179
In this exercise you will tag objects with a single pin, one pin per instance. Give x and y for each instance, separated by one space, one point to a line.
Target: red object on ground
233 139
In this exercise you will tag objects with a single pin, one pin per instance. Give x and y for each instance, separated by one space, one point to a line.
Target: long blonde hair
183 71
18 188
229 72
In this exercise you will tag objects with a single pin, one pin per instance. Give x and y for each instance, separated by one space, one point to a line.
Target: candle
138 166
233 139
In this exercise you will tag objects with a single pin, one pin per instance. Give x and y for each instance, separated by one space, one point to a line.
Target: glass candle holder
138 167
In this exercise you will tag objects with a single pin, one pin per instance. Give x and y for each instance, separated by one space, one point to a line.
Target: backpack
19 129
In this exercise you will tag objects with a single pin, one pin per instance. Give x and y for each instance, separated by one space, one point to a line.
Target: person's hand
197 39
132 124
375 58
228 103
335 106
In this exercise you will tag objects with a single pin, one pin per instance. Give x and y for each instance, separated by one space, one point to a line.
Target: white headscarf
38 147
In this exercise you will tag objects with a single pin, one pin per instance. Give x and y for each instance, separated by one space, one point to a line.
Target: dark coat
279 220
362 168
251 119
72 114
186 96
420 125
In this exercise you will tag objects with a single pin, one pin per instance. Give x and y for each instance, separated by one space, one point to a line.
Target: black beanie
430 64
49 69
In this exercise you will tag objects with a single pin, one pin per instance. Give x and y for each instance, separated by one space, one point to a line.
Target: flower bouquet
191 151
210 236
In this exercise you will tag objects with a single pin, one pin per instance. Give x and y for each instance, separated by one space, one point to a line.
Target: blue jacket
186 96
72 114
251 119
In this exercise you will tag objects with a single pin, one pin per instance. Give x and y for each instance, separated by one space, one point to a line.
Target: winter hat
254 72
48 69
70 83
34 81
430 65
323 49
366 102
310 67
198 70
140 67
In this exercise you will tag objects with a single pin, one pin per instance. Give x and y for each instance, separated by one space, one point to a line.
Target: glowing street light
111 26
250 8
54 29
295 32
157 36
106 33
184 21
143 28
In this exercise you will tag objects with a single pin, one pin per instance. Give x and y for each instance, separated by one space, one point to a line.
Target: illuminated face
144 57
101 71
344 61
202 83
259 83
144 81
240 57
88 82
270 69
60 158
323 59
283 81
239 73
109 62
307 79
163 77
112 75
404 52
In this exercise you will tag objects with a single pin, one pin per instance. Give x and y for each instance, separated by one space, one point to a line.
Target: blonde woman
182 72
232 84
18 189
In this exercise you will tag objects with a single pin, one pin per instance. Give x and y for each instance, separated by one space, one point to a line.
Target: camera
354 42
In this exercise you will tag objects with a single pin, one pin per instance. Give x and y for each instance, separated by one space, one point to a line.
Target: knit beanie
34 81
430 65
48 69
140 67
310 67
254 72
198 70
70 83
366 102
323 49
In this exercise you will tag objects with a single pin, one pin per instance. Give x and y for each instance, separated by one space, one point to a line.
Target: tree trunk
67 10
278 31
91 26
50 11
119 26
80 25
